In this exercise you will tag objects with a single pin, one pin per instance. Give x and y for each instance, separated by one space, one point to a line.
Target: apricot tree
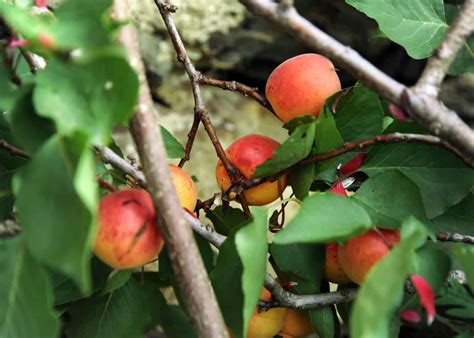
381 175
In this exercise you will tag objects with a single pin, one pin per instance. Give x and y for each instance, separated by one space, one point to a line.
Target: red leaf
397 113
426 296
41 3
353 164
410 316
338 189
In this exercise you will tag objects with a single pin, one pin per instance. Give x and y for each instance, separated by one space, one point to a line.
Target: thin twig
423 107
189 143
438 64
200 109
195 287
347 147
12 150
237 87
8 63
454 237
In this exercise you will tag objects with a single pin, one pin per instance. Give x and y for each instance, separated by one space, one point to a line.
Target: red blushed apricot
185 187
127 234
246 154
332 269
300 86
359 254
295 324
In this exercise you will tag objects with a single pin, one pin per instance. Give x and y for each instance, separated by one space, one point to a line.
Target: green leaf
8 90
176 324
206 252
300 180
304 260
240 271
225 219
323 218
83 24
381 293
418 26
327 136
325 322
458 218
226 280
465 256
174 149
28 25
129 311
294 149
359 114
116 280
251 245
443 179
389 198
90 97
26 294
433 264
58 215
66 291
455 301
29 129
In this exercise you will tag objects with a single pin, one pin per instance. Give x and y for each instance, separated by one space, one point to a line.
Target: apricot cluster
297 87
128 236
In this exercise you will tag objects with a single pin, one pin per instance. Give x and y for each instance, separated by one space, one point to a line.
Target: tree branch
187 263
426 110
237 87
454 237
12 150
200 109
350 146
438 64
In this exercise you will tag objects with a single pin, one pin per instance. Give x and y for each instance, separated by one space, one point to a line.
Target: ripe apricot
246 154
185 187
359 254
300 86
266 324
127 233
333 271
295 324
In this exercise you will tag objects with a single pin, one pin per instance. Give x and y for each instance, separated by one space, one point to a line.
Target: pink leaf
353 164
41 3
426 296
410 316
397 113
338 189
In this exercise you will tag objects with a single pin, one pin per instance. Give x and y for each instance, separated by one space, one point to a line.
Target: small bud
397 113
41 3
15 43
410 316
